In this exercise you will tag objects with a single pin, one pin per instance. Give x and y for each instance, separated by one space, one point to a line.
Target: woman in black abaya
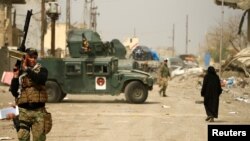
211 90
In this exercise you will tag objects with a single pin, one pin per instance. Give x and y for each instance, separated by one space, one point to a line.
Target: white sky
152 20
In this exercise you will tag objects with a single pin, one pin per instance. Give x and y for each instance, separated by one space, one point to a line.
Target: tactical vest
165 71
31 92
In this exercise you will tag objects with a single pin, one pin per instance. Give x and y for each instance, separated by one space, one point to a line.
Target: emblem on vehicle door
100 83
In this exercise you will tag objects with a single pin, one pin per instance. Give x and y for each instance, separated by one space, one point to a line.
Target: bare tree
232 41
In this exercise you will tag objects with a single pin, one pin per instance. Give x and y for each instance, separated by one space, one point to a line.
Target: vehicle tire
136 92
63 96
54 92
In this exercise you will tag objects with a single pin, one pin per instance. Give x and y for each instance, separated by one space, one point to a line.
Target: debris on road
165 106
6 138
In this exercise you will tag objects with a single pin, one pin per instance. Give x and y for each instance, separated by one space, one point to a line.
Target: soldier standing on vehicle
28 88
164 76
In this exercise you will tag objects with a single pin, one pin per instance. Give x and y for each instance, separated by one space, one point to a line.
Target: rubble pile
236 88
239 64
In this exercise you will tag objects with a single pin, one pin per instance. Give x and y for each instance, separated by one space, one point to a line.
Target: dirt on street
178 117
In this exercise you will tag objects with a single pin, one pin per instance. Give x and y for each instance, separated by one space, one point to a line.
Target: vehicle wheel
136 92
63 96
54 92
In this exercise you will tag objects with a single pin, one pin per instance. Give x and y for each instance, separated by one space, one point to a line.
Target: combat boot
164 95
160 92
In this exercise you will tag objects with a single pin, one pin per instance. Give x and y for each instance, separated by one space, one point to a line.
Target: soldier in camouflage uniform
28 87
164 76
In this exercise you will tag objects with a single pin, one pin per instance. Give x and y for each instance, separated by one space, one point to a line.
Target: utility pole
85 15
68 16
53 25
53 13
42 26
186 34
94 13
173 40
68 24
248 27
221 40
90 14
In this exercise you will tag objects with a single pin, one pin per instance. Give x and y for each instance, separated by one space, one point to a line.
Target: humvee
93 68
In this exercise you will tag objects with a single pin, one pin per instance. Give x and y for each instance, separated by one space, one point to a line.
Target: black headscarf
211 70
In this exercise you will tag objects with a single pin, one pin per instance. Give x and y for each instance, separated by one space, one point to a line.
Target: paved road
178 117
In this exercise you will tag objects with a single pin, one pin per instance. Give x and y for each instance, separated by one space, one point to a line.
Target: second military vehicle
92 68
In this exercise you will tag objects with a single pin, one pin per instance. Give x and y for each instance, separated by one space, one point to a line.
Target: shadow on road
101 101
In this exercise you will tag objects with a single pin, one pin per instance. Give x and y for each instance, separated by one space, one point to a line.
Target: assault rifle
20 52
19 55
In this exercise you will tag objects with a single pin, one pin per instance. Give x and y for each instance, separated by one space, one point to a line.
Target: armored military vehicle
92 68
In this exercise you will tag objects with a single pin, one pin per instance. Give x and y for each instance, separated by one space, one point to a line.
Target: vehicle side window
105 69
73 68
101 69
98 69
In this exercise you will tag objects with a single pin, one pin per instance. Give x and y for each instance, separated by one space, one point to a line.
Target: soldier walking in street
164 76
28 88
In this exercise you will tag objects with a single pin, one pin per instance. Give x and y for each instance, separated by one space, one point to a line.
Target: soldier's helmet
165 59
31 52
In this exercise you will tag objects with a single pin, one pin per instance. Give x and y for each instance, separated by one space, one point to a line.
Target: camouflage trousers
31 120
163 84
